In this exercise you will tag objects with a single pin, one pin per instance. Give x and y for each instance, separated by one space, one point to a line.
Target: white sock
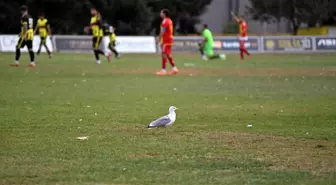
98 61
174 68
32 62
16 62
164 70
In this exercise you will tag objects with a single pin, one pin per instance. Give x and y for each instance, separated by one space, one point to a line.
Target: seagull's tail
149 127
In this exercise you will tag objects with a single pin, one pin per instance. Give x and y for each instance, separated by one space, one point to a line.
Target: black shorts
43 40
96 42
22 43
112 44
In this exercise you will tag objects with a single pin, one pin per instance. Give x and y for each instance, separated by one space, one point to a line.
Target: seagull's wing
161 122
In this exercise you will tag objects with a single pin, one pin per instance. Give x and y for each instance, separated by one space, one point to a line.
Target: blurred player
206 47
44 30
110 37
26 37
96 28
242 36
166 41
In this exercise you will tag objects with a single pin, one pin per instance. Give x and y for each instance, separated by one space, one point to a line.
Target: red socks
242 51
164 61
171 61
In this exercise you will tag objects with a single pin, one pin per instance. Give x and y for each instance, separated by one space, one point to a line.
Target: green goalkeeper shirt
210 41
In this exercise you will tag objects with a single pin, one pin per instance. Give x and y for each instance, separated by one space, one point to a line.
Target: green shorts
208 50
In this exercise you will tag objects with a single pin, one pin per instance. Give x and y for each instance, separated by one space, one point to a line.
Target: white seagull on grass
165 121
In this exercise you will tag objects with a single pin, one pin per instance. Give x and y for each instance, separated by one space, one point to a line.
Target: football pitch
289 99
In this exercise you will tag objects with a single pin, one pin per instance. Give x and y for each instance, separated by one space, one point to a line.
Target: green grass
289 99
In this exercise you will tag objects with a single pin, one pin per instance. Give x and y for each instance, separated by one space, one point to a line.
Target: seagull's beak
177 109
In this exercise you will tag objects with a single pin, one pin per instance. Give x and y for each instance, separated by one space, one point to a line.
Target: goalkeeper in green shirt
206 47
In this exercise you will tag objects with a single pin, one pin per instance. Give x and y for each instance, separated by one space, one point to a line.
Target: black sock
39 49
201 49
215 56
45 45
96 55
100 52
17 54
32 55
116 54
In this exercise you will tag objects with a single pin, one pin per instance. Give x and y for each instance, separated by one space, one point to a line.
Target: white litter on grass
83 74
225 98
80 120
190 74
88 106
21 81
261 106
75 85
36 73
175 89
83 80
53 81
146 98
189 64
42 92
83 138
95 114
219 80
281 110
155 102
249 126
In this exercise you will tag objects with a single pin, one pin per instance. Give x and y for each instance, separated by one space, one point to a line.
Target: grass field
289 99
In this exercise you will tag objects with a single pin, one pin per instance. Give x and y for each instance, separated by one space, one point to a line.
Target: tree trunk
295 27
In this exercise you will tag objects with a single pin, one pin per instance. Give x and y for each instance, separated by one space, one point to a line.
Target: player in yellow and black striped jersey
43 27
26 37
96 28
109 32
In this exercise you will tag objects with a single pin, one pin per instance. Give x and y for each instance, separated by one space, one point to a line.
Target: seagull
165 121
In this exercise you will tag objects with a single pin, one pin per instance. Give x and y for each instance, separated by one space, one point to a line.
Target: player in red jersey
166 41
242 35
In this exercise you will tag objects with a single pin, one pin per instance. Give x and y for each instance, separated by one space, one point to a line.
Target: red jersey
167 28
243 28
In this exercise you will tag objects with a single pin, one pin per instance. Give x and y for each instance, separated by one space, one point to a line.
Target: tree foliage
298 12
136 17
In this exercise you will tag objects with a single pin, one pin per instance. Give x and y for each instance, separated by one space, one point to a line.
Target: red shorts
166 48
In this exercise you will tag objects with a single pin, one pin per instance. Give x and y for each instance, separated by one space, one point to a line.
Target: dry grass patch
283 152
